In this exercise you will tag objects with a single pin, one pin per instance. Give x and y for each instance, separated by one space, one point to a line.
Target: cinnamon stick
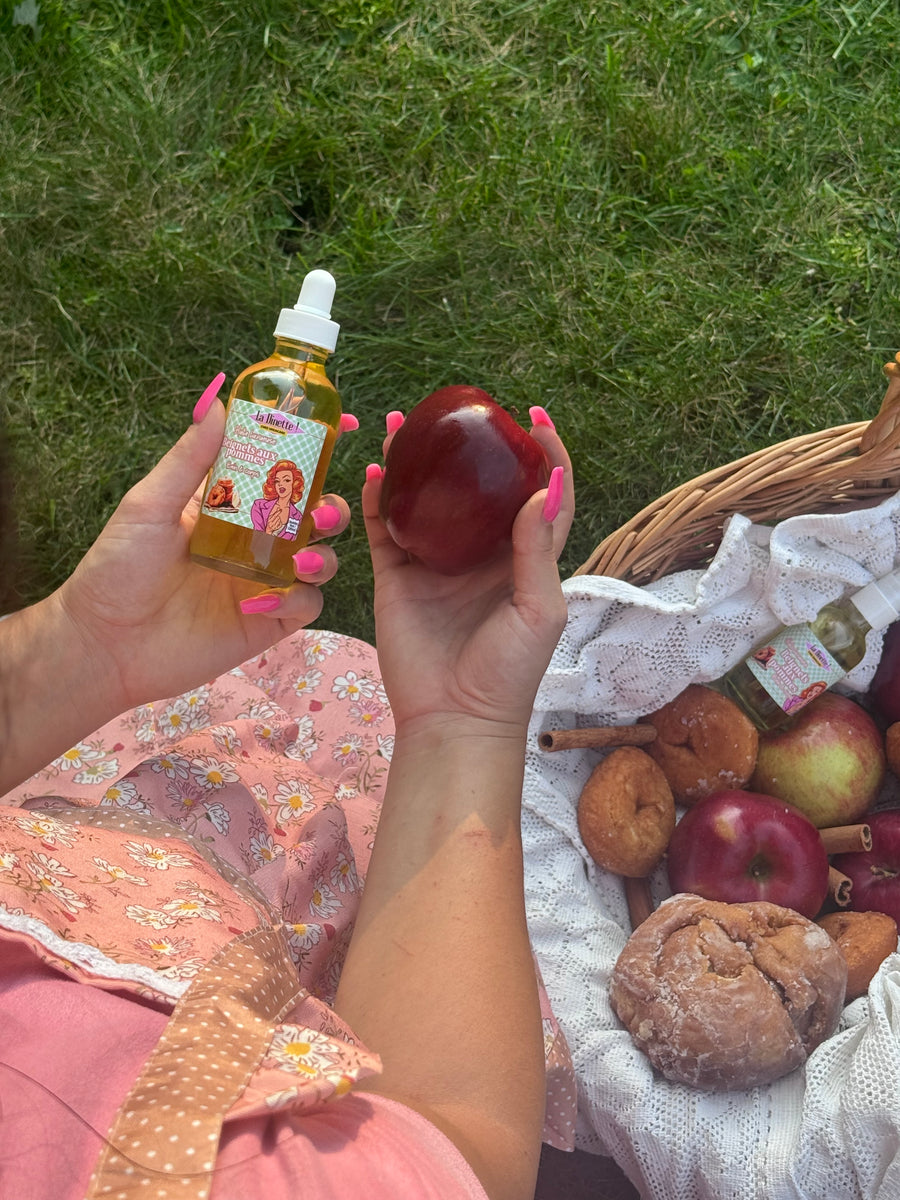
597 737
842 839
640 902
839 886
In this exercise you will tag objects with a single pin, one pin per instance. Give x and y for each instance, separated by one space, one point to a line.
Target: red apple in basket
737 846
875 873
884 691
457 471
829 762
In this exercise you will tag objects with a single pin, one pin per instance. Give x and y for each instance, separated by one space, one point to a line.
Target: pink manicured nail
307 562
373 473
325 517
348 423
553 501
260 604
393 421
540 416
206 401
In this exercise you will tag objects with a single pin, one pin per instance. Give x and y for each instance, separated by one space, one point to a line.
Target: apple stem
883 872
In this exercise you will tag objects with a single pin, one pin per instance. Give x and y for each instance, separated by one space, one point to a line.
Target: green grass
673 224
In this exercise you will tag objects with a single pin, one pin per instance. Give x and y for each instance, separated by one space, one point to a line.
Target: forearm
52 690
440 979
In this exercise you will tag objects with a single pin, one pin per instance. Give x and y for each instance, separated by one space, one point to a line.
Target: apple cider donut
725 997
626 813
704 743
865 939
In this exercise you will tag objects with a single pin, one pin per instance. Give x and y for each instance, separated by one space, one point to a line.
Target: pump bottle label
794 667
263 472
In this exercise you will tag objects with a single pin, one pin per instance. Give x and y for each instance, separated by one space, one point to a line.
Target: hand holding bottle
139 621
158 623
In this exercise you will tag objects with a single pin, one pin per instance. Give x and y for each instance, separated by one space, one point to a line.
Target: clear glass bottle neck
858 619
300 351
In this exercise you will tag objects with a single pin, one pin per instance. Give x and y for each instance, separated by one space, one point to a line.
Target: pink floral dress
238 815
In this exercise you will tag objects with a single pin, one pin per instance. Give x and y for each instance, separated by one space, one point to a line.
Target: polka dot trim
164 1137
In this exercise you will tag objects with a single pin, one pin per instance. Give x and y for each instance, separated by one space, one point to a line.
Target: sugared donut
626 813
728 996
865 939
704 743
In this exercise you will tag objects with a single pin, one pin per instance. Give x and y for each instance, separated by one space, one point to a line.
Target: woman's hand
151 622
476 645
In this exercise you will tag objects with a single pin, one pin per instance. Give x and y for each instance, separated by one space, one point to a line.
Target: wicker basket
848 466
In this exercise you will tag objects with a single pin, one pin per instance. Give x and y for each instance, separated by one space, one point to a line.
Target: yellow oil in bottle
283 419
841 631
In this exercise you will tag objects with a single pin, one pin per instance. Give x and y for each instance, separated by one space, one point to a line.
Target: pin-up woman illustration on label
792 703
276 513
764 655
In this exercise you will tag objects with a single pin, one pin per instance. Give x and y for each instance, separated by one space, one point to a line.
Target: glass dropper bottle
787 670
283 419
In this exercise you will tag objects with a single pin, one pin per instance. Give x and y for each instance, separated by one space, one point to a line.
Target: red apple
829 762
884 691
875 873
738 846
457 472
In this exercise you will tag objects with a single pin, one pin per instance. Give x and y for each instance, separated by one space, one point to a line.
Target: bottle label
794 667
263 472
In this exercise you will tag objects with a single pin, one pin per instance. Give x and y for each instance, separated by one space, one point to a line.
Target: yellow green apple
829 762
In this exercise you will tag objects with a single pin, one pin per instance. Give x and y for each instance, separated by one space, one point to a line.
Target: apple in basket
884 691
875 873
739 846
829 762
457 471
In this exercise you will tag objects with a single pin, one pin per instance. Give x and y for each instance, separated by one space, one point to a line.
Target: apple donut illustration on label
261 477
794 668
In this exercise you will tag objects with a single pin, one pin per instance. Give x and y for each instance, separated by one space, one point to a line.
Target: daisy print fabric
251 802
271 776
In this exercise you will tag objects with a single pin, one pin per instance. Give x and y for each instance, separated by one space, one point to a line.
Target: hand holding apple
739 846
487 634
456 474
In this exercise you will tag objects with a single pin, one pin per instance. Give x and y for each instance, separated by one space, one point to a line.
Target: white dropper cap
879 602
310 319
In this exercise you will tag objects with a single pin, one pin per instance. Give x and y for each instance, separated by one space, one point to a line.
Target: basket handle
883 426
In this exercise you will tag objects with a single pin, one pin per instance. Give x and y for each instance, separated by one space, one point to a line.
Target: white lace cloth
829 1130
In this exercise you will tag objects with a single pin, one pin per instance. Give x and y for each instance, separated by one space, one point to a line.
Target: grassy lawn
676 225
